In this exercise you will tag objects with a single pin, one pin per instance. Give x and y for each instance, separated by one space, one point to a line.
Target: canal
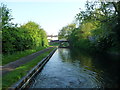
74 69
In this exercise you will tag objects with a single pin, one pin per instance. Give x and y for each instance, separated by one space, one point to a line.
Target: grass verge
13 76
15 56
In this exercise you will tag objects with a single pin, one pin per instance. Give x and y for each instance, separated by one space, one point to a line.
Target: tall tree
65 32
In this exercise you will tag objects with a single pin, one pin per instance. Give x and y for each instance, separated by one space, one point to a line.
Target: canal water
73 69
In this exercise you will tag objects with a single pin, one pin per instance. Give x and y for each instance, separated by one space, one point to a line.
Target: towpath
12 65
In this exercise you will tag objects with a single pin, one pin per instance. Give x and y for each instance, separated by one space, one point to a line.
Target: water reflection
84 61
106 66
109 65
74 69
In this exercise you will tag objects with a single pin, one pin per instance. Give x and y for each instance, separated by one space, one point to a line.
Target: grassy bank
12 77
15 56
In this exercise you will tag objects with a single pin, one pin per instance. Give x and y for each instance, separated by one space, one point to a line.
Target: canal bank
32 73
15 75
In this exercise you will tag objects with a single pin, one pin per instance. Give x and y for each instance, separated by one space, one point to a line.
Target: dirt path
11 66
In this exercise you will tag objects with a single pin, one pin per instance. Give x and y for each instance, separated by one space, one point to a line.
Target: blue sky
50 15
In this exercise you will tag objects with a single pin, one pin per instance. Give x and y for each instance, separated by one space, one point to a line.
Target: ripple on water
64 72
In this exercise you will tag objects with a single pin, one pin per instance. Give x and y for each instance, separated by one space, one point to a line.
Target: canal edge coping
29 76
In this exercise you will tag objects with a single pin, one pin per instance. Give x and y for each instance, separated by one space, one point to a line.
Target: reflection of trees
84 58
64 44
64 53
68 55
105 66
109 65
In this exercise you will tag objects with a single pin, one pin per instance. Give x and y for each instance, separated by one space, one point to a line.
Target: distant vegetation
97 28
14 38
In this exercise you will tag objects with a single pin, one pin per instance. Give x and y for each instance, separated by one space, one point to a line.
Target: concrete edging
22 83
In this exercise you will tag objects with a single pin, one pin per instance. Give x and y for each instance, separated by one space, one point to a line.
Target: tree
27 36
6 16
36 34
44 38
99 27
7 28
65 32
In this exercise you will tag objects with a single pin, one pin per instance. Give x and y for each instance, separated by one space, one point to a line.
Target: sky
51 15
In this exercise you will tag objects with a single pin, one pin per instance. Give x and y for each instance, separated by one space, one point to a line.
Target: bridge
53 39
60 43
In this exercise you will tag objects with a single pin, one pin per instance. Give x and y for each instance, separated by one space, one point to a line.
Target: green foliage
34 34
27 36
44 38
98 27
64 44
5 15
66 31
